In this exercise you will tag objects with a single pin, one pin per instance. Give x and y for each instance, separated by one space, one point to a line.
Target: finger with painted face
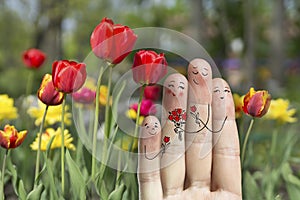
199 125
174 104
149 159
226 171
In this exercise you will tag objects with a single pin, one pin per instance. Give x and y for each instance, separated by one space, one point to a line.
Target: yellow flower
90 83
131 114
238 104
48 135
125 143
280 111
7 109
53 114
103 95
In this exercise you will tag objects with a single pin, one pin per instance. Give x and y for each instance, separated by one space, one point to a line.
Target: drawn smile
195 81
152 132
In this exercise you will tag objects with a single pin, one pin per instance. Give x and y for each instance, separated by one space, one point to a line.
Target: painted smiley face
221 92
152 127
175 88
222 100
198 71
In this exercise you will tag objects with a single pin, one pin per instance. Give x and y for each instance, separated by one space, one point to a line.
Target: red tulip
68 76
112 42
149 67
152 92
84 95
48 94
256 103
33 58
10 138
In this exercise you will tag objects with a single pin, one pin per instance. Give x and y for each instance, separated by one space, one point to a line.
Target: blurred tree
48 26
278 48
250 41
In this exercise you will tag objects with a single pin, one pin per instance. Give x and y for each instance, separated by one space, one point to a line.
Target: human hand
195 155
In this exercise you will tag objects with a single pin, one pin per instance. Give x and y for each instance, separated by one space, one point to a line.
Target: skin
205 164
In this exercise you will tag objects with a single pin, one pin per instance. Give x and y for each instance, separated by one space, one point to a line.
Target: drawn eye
156 126
226 90
171 85
216 90
181 87
196 72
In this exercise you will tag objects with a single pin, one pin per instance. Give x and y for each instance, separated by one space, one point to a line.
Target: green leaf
13 173
50 177
48 148
293 191
116 96
36 193
131 182
21 191
251 188
117 193
77 180
292 182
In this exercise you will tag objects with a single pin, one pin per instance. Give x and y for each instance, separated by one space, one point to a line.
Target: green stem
96 124
63 145
2 175
107 106
118 169
246 140
106 125
29 82
37 164
137 118
274 142
107 121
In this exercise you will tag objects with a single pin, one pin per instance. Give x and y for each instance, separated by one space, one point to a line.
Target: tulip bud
33 58
112 42
68 76
10 138
84 95
152 92
149 67
48 94
256 103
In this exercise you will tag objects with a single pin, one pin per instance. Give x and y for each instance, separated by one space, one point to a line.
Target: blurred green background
253 42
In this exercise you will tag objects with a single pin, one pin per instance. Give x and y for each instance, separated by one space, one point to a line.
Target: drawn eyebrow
172 81
181 82
155 123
